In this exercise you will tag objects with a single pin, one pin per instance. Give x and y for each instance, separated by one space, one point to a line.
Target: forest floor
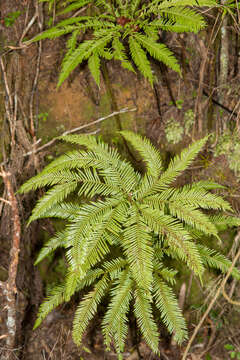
77 103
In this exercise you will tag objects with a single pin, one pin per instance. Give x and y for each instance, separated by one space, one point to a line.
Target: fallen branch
71 131
9 287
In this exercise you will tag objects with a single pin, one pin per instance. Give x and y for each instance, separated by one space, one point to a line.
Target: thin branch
210 306
71 131
74 130
5 201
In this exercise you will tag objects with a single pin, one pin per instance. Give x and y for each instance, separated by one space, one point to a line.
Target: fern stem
110 92
114 106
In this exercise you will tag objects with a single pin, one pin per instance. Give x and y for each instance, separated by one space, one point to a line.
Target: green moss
229 145
174 131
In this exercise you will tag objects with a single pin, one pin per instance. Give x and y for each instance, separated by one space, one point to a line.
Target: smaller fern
121 226
126 31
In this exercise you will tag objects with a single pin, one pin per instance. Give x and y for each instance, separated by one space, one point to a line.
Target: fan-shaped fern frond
121 227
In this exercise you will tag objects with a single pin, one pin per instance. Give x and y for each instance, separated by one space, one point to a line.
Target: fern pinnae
94 67
58 240
72 61
88 308
119 305
148 152
145 320
140 59
195 218
74 6
200 198
170 312
56 297
54 33
138 250
159 52
185 16
214 259
176 237
119 53
176 167
55 195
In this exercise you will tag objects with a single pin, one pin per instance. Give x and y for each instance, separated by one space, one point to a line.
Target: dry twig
218 292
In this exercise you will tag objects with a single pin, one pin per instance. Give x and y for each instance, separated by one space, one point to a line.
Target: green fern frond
115 169
170 312
195 218
138 250
119 53
200 198
216 260
145 320
94 67
159 52
53 196
56 298
114 267
88 308
181 3
121 295
176 167
74 6
184 16
148 152
176 237
140 59
54 33
205 184
222 222
59 240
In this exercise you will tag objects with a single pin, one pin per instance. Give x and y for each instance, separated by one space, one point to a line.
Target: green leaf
140 59
159 51
94 67
148 152
170 312
87 309
75 5
138 250
145 320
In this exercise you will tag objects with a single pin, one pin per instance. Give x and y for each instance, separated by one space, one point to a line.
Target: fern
126 31
120 228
